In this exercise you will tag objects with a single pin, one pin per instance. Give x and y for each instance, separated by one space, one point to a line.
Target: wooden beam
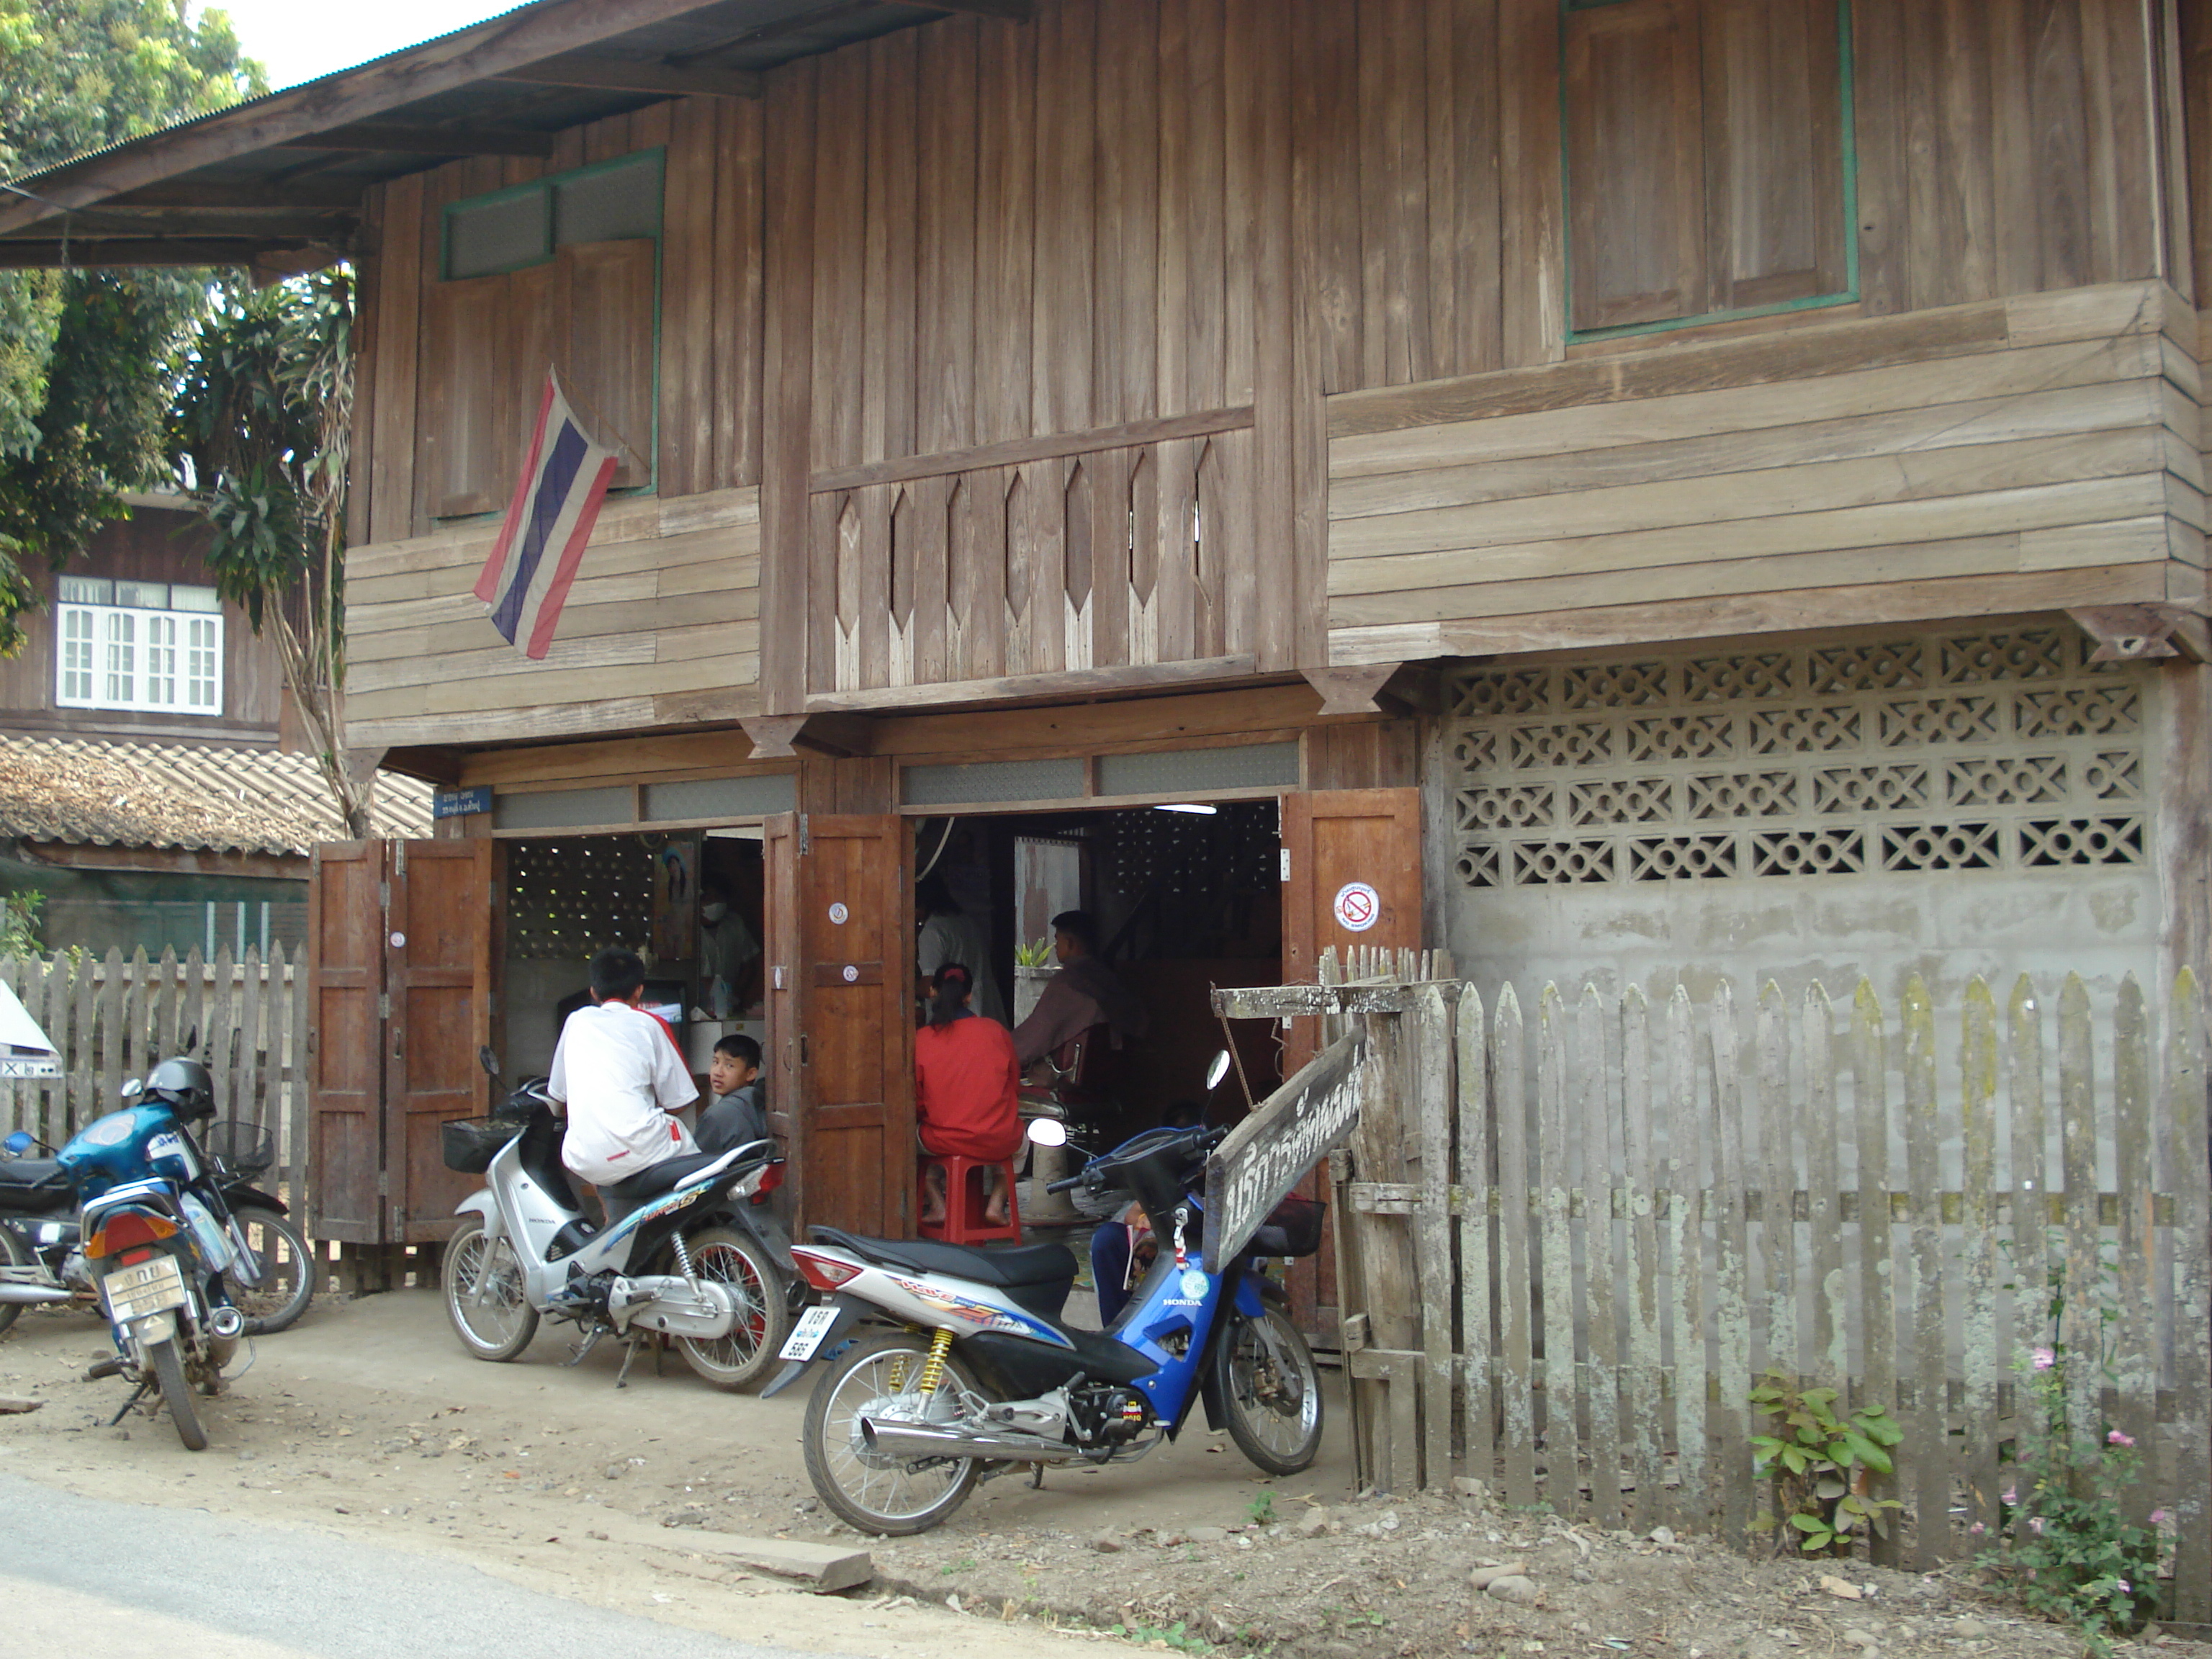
108 223
529 34
2129 633
1038 688
1012 11
1051 446
106 252
620 75
336 193
1352 690
423 140
840 737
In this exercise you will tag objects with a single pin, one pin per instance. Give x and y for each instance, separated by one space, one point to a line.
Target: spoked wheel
1273 1405
288 1271
875 1492
485 1296
14 1252
183 1410
725 1256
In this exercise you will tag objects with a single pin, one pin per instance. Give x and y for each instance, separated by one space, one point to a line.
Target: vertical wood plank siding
921 250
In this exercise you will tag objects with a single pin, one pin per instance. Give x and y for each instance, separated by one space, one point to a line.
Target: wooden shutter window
1775 175
1704 158
1636 166
459 440
604 326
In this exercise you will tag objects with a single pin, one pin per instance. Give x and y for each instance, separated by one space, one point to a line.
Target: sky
298 39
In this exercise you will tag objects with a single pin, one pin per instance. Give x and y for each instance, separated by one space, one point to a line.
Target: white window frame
121 657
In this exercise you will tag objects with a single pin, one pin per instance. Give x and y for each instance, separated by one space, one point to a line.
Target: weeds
1820 1464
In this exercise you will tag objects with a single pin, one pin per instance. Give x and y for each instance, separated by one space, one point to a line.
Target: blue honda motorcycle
945 1365
160 1245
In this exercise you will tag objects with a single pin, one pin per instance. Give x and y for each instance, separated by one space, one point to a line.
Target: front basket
471 1143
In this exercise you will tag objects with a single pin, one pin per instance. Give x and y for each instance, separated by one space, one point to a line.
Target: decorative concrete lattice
1938 752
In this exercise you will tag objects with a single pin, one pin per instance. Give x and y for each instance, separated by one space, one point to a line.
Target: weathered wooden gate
1571 1242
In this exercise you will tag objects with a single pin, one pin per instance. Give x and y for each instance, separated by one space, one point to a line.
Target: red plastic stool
963 1221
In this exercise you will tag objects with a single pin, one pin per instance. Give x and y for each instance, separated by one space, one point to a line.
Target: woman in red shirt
964 1076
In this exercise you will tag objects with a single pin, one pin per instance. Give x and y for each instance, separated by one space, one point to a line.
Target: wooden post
1476 1257
2192 1301
1686 1250
1562 1443
1646 1432
1432 1045
1830 1350
1730 1312
2134 1359
1601 1268
1514 1285
1926 1448
1982 1359
1870 1109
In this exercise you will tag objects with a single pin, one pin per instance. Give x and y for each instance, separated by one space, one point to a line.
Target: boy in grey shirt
739 1113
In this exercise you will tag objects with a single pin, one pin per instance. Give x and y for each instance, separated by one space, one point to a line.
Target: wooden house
1649 487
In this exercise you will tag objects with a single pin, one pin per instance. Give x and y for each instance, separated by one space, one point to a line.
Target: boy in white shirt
618 1071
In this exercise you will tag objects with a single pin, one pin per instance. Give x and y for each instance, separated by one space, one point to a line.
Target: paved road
84 1575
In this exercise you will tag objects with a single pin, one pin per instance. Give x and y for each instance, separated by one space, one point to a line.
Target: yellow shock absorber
932 1369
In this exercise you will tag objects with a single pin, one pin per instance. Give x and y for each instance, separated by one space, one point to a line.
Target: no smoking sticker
1357 906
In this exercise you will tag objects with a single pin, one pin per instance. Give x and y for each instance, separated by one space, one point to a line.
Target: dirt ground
368 1419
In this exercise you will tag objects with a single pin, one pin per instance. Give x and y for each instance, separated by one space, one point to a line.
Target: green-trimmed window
1709 160
562 273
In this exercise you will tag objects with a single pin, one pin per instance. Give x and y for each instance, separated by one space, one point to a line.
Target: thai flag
557 501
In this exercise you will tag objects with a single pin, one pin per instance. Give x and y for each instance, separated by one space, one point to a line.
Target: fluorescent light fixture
1198 807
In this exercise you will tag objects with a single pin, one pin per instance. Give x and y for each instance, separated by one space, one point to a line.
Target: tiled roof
159 795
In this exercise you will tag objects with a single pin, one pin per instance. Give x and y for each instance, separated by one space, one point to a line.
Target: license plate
133 1292
807 1335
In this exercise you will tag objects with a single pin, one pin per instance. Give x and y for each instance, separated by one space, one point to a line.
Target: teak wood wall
956 298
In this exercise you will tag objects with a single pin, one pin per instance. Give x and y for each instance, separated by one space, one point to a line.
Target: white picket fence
1574 1235
111 1020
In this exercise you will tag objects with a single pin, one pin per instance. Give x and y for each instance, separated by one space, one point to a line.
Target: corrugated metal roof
171 797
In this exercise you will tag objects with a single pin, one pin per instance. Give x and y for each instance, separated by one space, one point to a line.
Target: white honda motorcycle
700 1262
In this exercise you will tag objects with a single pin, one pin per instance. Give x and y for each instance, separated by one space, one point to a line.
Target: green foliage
81 392
1036 955
1261 1508
2069 1551
1820 1463
1172 1636
264 388
20 934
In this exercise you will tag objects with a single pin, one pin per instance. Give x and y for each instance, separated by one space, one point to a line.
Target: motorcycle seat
1017 1269
35 1184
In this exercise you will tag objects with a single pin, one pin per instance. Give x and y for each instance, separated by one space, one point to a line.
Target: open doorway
689 902
1185 898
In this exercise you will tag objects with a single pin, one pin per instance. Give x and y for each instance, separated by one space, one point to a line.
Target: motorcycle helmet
184 1083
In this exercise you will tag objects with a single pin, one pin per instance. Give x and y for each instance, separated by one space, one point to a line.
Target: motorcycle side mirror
19 1143
489 1061
1048 1131
1218 1070
133 1087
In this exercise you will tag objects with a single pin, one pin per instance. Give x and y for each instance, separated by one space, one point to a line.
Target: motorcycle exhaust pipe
227 1323
30 1295
921 1440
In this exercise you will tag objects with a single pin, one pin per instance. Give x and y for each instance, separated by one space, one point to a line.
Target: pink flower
2125 1588
2044 1359
2118 1438
2160 1517
2035 1523
2012 1494
1976 1529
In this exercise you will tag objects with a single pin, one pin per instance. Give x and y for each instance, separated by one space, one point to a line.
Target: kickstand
629 1352
1036 1477
138 1394
590 1342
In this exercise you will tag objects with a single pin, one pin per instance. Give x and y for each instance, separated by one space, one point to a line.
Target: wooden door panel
841 1019
1334 837
345 980
440 974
